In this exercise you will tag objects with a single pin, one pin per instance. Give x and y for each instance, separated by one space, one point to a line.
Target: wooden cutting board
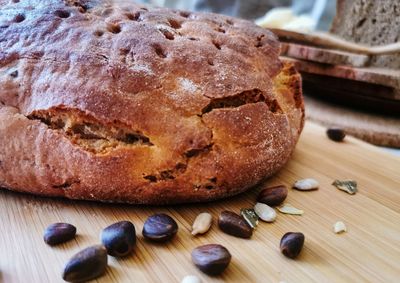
368 252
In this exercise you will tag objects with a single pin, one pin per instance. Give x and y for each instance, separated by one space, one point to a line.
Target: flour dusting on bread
107 100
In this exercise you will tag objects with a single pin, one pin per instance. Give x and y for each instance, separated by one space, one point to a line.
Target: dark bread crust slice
109 101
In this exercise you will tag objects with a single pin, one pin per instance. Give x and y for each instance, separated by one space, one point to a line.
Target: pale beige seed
339 227
265 212
191 279
287 208
308 184
202 223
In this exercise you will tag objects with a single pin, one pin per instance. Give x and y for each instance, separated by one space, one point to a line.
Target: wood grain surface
368 252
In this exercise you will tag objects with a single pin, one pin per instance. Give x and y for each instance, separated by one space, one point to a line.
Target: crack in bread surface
88 133
180 167
67 184
240 99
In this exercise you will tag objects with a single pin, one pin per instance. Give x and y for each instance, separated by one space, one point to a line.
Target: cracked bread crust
104 100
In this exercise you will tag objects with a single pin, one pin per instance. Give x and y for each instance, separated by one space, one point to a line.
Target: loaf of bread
370 22
112 101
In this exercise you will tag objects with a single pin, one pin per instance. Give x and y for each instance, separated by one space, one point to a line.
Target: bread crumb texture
370 22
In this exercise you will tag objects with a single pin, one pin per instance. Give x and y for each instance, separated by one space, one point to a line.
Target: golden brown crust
116 102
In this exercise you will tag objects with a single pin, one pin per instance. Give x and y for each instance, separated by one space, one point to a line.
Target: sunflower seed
202 223
191 279
287 208
348 186
265 212
306 184
339 227
250 216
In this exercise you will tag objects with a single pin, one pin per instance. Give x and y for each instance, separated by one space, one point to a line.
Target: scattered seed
202 223
58 233
348 186
336 134
191 279
289 209
86 265
306 184
339 227
14 74
160 228
119 238
273 196
250 216
212 259
291 244
235 225
265 212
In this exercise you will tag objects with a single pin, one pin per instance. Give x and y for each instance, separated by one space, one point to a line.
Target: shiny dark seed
336 134
212 259
14 74
291 244
273 196
86 265
160 228
58 233
119 238
234 224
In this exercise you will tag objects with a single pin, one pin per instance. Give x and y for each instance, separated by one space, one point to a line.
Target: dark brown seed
160 228
336 134
234 224
291 244
86 265
58 233
14 74
212 259
273 196
119 238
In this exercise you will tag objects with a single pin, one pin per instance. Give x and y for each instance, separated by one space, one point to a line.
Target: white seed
289 209
339 227
191 279
202 223
306 185
265 212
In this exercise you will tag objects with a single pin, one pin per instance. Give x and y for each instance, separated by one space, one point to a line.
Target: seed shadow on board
309 256
234 270
29 201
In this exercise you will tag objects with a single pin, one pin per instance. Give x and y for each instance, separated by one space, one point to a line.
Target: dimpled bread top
114 101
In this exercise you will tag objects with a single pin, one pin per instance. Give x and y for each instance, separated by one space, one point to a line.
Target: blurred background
320 11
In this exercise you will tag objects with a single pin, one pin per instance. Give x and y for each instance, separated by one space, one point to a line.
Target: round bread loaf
112 101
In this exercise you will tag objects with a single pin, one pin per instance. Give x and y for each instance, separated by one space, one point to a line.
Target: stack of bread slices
355 78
